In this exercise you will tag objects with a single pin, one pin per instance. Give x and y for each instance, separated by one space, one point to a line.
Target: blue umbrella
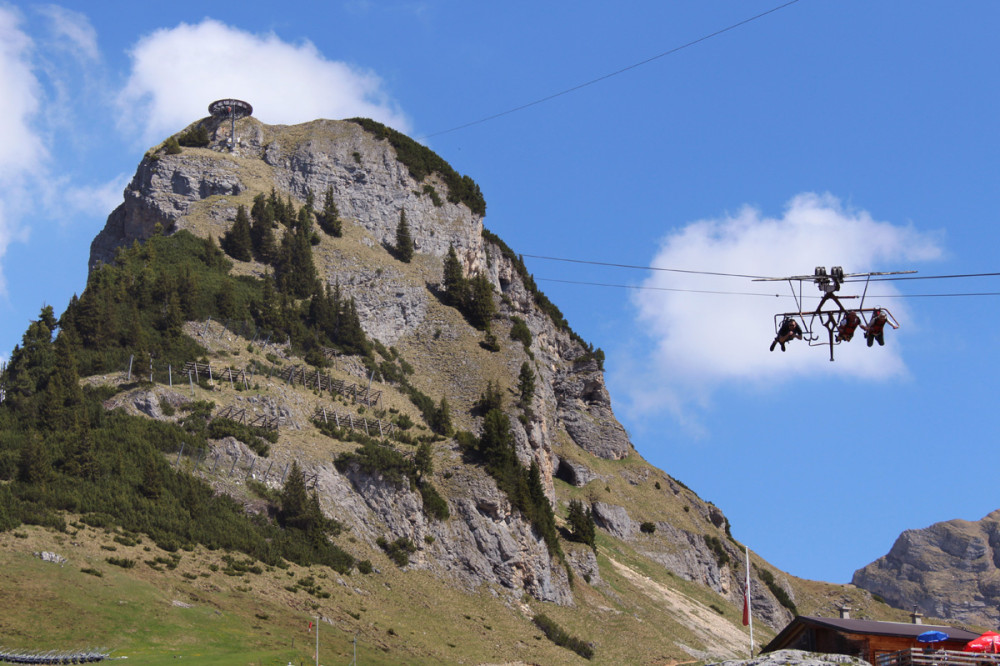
932 637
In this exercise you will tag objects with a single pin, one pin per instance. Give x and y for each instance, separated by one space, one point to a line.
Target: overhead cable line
640 287
751 293
642 268
610 75
753 277
929 277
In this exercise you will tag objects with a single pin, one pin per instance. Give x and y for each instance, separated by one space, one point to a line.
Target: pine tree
442 418
35 464
581 524
491 398
329 218
452 279
236 242
173 315
187 293
294 270
480 308
294 499
262 230
226 302
526 386
31 365
423 460
404 243
496 445
63 395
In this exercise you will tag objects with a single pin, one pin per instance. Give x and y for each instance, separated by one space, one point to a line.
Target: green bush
715 544
399 551
561 637
123 562
779 592
252 436
519 331
421 162
196 137
171 146
435 506
647 527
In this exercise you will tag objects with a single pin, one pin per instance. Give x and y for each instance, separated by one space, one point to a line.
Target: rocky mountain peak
658 539
196 187
949 570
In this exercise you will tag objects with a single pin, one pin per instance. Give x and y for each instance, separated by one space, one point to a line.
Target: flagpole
747 611
317 640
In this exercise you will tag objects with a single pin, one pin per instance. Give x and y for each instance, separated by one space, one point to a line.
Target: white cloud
69 200
97 200
705 340
71 31
35 84
21 150
177 72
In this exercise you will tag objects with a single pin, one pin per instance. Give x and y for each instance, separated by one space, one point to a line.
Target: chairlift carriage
831 314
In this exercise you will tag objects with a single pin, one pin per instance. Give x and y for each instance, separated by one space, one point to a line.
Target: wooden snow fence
246 467
197 370
316 380
233 413
236 377
239 414
348 420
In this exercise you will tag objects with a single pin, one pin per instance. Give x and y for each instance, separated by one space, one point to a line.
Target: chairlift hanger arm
846 275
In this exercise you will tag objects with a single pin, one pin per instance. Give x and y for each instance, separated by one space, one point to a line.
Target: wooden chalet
870 640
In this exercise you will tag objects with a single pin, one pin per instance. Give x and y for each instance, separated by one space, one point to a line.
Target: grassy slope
401 617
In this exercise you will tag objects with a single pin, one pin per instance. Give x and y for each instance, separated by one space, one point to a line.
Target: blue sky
860 134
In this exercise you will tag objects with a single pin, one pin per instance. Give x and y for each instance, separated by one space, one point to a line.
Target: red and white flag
311 627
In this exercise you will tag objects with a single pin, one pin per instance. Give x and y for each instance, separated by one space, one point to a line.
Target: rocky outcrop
485 542
796 658
614 520
370 186
164 190
585 412
691 557
574 473
949 570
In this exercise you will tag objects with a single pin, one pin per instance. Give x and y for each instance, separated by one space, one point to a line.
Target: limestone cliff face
571 432
949 570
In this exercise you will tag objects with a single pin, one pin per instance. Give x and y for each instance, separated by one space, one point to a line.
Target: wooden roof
868 627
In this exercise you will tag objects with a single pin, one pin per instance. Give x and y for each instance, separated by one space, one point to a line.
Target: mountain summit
308 352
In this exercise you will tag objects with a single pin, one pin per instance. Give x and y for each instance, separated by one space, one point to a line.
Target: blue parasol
932 637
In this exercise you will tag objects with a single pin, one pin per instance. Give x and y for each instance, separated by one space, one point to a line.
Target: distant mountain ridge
949 570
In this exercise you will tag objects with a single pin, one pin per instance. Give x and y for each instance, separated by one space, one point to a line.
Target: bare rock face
949 570
585 411
162 191
691 557
614 519
484 542
371 187
574 473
